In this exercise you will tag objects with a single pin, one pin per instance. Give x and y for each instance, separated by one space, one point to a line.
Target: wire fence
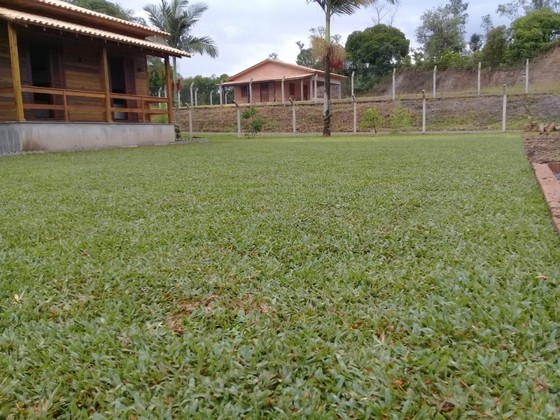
420 113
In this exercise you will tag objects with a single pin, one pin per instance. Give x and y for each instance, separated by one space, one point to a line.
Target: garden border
550 188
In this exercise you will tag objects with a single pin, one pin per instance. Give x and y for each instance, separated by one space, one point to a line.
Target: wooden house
71 78
276 81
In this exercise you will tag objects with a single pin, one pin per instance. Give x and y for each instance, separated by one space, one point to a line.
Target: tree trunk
327 94
175 91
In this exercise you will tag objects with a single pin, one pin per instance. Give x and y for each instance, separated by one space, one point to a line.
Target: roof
273 70
57 9
28 18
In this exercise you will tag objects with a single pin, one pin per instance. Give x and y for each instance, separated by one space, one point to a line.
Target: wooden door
265 95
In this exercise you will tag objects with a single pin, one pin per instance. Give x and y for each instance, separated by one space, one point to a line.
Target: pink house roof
271 70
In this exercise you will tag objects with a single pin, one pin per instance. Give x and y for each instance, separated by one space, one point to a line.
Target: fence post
192 95
435 76
196 97
423 111
251 91
238 119
294 126
211 93
355 114
504 109
221 92
394 83
352 93
283 90
190 121
527 76
479 69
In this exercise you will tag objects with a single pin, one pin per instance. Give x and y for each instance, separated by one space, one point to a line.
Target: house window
292 89
244 91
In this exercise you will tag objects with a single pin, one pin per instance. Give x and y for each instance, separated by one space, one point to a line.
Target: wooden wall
7 100
80 62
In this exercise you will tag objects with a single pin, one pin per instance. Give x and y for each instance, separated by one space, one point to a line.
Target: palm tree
178 17
334 7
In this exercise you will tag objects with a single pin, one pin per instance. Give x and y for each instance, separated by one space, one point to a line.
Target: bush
400 119
371 120
252 123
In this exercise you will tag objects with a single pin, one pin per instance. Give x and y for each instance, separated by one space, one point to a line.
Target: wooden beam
16 75
169 88
106 84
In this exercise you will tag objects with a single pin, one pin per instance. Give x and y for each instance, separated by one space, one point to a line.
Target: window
292 89
244 91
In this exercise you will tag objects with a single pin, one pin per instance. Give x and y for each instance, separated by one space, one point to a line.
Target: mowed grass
396 277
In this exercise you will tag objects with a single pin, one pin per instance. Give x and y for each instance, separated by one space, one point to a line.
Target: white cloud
247 31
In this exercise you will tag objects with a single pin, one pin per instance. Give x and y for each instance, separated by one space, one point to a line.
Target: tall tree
107 8
178 18
443 29
305 57
373 52
518 8
534 33
494 51
331 8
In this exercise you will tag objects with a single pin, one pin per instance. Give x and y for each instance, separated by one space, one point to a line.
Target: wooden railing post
106 84
65 103
16 75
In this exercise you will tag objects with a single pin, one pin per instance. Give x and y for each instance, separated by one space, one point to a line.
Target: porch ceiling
45 22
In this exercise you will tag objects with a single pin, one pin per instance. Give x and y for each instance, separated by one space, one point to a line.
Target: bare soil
543 148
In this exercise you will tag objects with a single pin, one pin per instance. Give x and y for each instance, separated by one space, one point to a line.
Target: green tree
206 87
156 75
305 57
518 8
475 42
108 8
178 18
373 52
534 33
494 51
442 29
331 8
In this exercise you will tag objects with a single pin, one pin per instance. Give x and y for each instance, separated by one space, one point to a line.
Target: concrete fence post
423 111
504 109
238 118
251 91
190 120
283 90
221 93
294 123
354 110
192 94
394 83
352 89
527 76
478 85
196 97
435 80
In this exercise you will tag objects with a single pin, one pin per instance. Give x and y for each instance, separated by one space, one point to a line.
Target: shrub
400 119
253 123
371 120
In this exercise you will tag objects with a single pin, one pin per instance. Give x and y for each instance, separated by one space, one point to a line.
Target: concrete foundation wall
31 137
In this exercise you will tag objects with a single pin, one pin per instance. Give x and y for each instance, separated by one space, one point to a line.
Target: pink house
276 81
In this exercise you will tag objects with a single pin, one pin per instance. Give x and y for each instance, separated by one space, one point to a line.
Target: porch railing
60 101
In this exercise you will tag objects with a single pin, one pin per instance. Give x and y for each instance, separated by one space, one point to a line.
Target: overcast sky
247 31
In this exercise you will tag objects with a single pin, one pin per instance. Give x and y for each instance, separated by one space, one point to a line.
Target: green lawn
399 276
